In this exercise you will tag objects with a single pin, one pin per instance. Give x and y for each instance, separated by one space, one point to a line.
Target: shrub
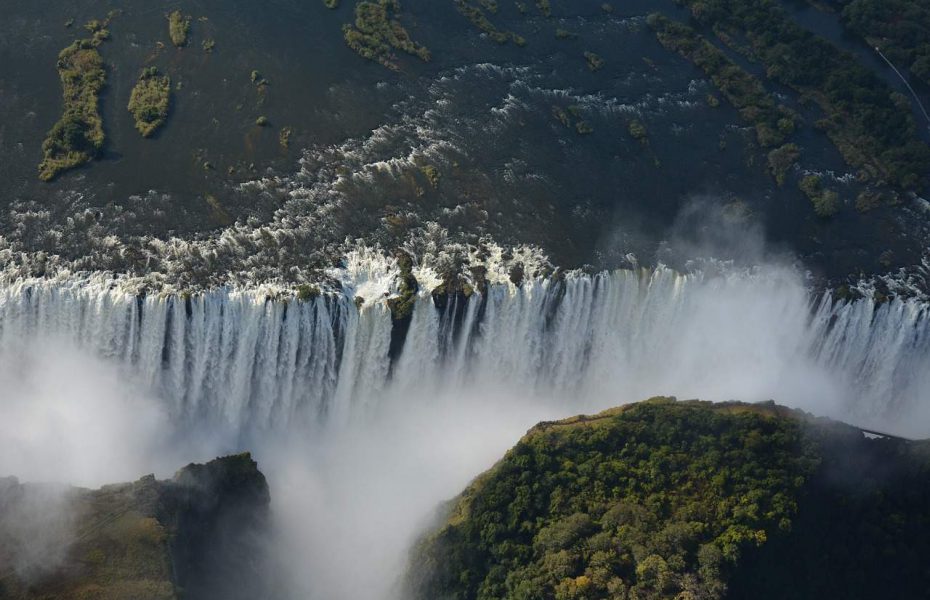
178 28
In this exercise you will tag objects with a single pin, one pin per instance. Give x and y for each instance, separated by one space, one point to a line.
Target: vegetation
432 175
307 292
637 130
78 135
150 101
872 127
490 5
595 62
331 3
178 28
870 199
476 15
403 303
377 32
899 28
826 202
262 121
772 122
667 500
572 118
781 160
284 137
208 45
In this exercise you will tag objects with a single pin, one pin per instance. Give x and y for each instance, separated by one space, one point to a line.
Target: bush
178 28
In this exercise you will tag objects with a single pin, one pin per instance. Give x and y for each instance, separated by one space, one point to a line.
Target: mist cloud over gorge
349 495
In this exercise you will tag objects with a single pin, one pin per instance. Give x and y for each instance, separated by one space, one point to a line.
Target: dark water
481 112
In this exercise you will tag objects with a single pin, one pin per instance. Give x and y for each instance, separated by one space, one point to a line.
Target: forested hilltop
688 500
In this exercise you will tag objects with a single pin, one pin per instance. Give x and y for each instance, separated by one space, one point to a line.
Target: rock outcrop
197 536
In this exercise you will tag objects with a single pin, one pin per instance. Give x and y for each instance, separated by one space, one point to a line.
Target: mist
349 502
69 416
350 494
37 524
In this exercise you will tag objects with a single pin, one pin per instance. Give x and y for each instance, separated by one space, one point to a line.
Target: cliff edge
198 535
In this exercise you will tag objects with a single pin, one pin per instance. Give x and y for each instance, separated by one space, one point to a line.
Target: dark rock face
198 536
219 514
862 529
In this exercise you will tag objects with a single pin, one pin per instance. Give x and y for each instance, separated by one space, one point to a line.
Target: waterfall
240 360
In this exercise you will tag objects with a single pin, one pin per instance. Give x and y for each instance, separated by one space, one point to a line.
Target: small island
150 101
178 28
78 136
377 32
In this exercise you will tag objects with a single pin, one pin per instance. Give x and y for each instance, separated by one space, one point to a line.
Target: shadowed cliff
198 535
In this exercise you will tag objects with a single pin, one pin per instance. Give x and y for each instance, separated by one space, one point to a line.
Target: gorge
361 438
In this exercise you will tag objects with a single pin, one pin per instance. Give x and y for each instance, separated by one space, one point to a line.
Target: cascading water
241 361
360 442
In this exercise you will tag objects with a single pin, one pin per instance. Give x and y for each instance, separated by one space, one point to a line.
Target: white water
359 452
239 361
